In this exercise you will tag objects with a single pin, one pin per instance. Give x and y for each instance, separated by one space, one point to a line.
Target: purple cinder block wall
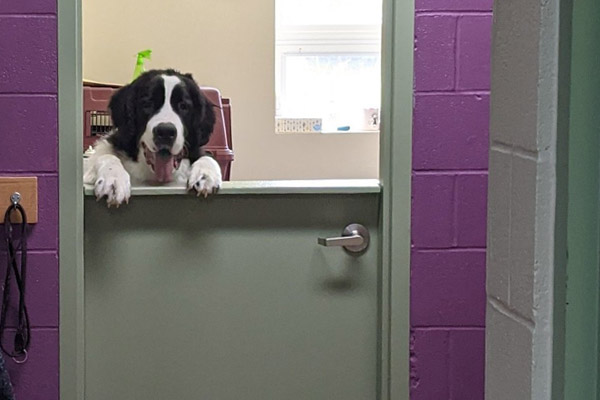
450 160
449 188
28 147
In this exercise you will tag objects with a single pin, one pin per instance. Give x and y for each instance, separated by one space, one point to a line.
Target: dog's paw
114 184
205 176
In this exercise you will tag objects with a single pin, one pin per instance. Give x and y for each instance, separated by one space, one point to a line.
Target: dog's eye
183 106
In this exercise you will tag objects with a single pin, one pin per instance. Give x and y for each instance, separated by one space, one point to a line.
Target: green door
232 298
581 345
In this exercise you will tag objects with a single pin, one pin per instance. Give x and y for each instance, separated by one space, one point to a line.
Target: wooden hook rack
27 187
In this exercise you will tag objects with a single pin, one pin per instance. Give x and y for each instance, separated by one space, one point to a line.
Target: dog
161 122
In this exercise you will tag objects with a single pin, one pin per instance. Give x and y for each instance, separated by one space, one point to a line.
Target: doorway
293 214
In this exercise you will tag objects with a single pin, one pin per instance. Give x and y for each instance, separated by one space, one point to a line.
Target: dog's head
161 118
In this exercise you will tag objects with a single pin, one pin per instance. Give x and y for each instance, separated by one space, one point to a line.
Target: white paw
205 176
113 183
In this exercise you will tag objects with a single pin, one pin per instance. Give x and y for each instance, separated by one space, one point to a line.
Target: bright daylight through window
328 76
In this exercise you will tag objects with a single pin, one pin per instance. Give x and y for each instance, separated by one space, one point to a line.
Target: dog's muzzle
163 163
164 135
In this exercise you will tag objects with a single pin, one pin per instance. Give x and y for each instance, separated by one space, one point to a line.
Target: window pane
334 87
327 61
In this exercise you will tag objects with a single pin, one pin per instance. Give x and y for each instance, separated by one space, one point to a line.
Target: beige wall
227 44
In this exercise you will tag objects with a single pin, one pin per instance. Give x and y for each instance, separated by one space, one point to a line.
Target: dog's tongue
163 167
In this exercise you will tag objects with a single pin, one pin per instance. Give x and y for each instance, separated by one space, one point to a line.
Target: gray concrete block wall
522 191
515 340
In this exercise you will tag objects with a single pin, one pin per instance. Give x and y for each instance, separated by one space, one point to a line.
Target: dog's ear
120 106
203 119
123 114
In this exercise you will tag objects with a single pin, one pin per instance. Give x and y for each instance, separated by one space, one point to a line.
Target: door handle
354 239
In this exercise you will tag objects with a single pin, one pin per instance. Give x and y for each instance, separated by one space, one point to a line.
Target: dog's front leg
205 176
109 178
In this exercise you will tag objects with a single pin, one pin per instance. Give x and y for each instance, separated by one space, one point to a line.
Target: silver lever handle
355 239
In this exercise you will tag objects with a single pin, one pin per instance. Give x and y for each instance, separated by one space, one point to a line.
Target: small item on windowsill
298 125
371 119
343 128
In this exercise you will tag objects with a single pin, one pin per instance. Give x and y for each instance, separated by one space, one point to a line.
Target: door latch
354 239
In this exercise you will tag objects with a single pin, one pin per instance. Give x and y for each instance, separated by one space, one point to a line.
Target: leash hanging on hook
23 331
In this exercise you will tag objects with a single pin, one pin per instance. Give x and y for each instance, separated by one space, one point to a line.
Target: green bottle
142 56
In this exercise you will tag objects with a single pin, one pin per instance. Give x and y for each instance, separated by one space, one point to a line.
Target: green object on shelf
142 56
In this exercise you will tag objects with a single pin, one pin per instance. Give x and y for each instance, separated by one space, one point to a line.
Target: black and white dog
161 121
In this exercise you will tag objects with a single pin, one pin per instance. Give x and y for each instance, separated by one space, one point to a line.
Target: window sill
320 186
329 133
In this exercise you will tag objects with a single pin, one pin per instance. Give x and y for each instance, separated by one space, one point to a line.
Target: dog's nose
164 134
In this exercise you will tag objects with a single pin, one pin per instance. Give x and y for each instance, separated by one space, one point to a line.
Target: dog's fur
161 121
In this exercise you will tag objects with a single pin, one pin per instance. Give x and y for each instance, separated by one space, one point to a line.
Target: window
328 75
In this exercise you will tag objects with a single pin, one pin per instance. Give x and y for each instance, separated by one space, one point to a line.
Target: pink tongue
163 168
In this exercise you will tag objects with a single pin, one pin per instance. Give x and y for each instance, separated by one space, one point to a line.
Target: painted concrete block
28 7
42 291
522 235
498 248
450 132
474 36
508 358
38 378
429 364
453 5
28 132
433 211
434 52
515 76
467 364
28 45
471 209
448 288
